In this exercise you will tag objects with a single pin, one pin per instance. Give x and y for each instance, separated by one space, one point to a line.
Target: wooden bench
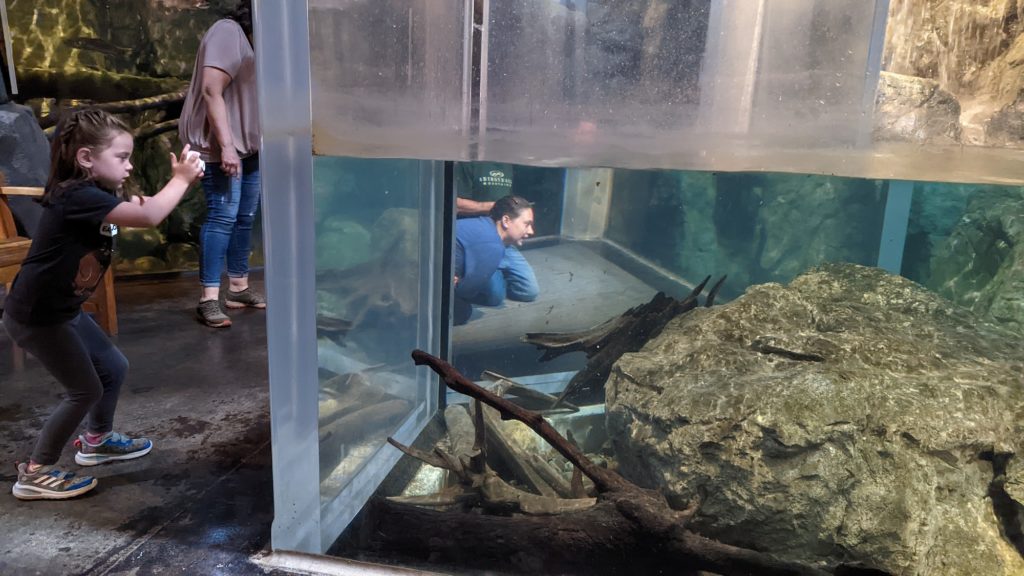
13 249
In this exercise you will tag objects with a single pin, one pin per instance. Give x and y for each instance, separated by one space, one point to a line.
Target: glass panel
700 84
627 234
695 83
778 94
376 263
728 393
745 225
488 345
354 256
754 85
389 78
287 168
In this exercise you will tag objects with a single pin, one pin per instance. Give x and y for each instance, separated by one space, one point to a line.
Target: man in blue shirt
480 244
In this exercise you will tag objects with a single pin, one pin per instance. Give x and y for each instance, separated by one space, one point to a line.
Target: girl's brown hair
85 128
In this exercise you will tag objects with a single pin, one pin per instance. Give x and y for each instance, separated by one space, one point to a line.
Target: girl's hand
188 168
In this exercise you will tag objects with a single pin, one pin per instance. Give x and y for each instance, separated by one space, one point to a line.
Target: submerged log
348 393
478 484
355 427
606 343
526 396
627 527
513 457
599 540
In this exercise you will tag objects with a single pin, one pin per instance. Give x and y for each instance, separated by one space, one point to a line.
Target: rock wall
144 37
851 417
973 50
914 109
981 264
752 227
73 50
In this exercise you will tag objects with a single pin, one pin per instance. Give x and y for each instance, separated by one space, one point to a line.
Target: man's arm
467 207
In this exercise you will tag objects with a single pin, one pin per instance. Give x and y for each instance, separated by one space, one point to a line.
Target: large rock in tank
851 417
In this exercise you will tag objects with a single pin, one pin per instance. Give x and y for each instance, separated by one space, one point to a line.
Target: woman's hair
510 205
77 129
240 11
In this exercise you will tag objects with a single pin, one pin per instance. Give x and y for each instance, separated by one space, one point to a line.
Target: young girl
84 203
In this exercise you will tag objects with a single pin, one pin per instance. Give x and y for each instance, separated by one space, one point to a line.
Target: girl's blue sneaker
48 483
114 446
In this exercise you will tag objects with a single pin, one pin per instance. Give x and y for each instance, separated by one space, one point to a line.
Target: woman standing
220 120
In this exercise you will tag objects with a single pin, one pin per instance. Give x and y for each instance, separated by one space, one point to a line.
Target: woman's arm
154 209
214 82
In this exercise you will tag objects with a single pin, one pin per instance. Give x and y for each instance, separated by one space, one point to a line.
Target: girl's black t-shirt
70 252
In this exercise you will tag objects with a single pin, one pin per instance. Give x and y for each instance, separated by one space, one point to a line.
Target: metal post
872 72
894 226
485 34
283 75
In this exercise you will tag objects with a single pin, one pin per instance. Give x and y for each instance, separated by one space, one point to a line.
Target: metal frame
304 521
898 199
873 71
282 53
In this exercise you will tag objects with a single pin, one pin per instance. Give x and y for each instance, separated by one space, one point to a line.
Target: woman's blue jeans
514 279
231 205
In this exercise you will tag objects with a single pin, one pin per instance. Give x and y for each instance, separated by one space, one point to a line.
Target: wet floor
202 501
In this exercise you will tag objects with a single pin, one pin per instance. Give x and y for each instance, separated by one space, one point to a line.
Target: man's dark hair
509 205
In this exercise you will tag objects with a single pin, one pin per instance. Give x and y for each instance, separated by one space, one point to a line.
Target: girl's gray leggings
89 367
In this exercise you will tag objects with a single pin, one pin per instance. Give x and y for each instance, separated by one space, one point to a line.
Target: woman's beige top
224 47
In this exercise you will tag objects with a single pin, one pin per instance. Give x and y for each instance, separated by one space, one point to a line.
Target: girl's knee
119 367
112 366
86 395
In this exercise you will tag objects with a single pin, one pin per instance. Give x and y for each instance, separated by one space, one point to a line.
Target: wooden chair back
13 248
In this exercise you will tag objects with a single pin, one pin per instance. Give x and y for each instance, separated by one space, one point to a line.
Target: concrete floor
202 501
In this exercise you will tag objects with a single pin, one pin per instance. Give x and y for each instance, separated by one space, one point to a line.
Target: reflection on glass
608 240
368 251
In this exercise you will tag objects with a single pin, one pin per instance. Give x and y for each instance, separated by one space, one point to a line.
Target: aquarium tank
778 252
776 245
